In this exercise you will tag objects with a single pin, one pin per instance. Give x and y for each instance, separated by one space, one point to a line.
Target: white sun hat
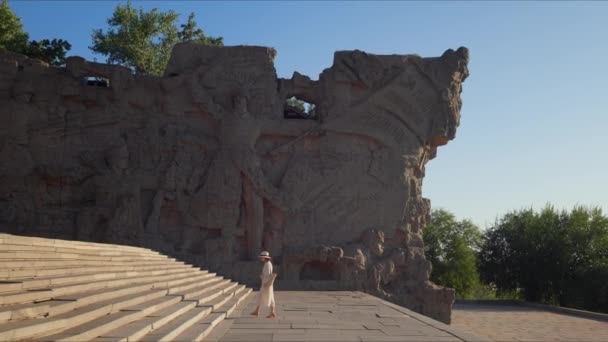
264 254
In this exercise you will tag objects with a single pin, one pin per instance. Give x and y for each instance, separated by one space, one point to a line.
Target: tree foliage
143 40
301 106
551 257
14 38
51 51
296 103
191 33
12 35
451 247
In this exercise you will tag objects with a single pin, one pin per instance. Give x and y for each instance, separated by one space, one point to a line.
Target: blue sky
534 120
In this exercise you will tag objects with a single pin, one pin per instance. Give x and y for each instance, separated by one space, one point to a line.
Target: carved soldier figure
236 174
385 271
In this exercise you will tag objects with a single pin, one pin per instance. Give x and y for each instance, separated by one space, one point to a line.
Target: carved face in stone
374 240
377 249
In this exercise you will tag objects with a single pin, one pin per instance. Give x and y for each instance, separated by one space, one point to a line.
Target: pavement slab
333 317
355 316
521 323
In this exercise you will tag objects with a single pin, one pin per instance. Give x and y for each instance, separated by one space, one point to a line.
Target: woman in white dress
266 295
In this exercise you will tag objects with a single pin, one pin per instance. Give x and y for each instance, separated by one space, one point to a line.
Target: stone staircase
58 290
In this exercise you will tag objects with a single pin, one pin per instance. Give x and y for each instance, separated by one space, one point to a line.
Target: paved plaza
520 323
333 316
355 316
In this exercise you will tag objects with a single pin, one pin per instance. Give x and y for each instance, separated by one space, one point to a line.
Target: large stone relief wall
202 163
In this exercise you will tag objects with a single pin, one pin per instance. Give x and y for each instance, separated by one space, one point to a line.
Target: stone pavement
333 316
520 323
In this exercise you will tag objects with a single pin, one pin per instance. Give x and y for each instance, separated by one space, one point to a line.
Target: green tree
524 251
297 104
301 106
15 39
191 33
143 40
51 51
451 247
551 257
12 35
585 284
501 248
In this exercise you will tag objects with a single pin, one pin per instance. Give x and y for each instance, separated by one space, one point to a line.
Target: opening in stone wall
95 81
316 270
296 108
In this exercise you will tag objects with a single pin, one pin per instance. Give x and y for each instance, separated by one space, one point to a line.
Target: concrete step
23 311
36 241
15 274
217 302
231 304
76 300
35 328
35 255
51 262
195 283
90 276
199 277
115 320
204 290
172 329
136 330
90 330
162 276
57 292
10 286
210 298
29 296
77 250
200 330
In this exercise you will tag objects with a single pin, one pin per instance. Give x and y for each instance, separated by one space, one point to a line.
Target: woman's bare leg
256 312
272 314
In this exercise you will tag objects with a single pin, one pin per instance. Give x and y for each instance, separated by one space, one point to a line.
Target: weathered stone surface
335 316
201 164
